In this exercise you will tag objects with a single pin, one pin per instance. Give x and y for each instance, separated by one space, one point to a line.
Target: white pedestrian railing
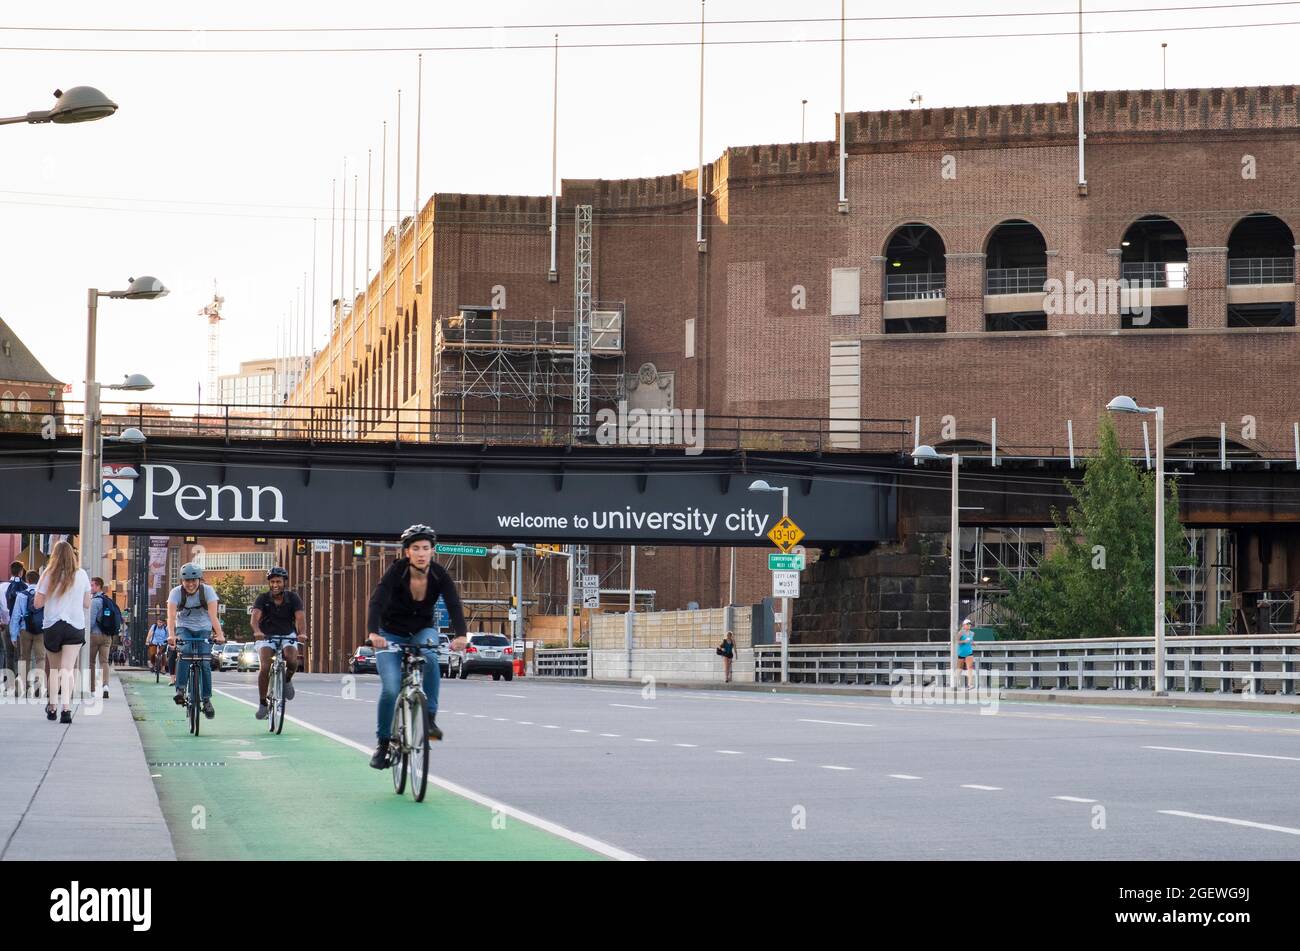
1192 664
561 662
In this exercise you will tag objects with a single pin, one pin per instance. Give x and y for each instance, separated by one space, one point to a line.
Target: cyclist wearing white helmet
277 613
191 618
401 612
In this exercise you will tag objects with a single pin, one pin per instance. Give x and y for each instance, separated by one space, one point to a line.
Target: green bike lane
237 792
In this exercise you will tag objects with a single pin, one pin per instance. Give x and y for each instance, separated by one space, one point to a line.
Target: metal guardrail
561 662
420 425
1257 664
1014 280
1155 273
1261 270
915 286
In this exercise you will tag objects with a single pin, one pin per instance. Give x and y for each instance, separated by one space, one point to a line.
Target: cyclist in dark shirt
277 613
401 612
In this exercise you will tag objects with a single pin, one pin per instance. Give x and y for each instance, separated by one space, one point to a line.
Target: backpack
110 618
11 594
202 605
34 620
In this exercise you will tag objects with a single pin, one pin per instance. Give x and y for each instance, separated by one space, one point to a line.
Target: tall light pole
929 454
1126 404
803 121
78 104
761 485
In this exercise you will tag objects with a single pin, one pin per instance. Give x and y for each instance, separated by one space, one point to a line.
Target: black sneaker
288 690
50 714
434 732
262 710
65 716
179 698
381 759
207 709
105 693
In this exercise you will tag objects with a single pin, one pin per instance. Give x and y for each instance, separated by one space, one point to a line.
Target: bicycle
275 689
409 742
193 702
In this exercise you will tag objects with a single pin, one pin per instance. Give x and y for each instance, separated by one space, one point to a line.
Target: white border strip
1232 822
586 841
1184 749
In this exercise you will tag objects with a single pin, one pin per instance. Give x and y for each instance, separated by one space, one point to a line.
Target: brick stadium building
925 299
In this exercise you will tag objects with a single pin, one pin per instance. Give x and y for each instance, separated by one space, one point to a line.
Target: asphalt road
708 774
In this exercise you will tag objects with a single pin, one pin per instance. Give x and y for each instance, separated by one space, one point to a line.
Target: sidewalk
1271 703
77 792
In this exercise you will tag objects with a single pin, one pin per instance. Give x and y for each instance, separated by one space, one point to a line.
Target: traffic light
300 546
358 547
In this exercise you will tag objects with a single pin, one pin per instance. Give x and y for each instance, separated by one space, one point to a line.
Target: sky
216 163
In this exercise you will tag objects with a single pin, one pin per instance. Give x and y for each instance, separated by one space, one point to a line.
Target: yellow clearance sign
785 534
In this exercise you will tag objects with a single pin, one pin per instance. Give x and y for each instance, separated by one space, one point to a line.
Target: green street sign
777 562
460 550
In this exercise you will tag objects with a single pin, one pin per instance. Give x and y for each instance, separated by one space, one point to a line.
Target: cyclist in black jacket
401 612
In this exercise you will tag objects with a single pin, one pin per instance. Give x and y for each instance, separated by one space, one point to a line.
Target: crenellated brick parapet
1119 114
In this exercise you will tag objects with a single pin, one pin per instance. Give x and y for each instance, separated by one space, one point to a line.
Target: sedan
363 661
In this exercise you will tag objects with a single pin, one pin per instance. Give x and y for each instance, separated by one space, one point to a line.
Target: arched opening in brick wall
1261 273
915 264
1154 250
1015 259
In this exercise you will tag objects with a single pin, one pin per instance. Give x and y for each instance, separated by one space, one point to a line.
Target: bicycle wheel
192 701
277 698
399 746
419 728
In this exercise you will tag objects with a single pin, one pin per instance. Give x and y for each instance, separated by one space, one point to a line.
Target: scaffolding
582 308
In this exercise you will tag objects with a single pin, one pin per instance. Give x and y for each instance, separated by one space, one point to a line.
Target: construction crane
213 313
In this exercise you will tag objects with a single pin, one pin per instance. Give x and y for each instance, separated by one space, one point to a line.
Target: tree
1100 580
237 597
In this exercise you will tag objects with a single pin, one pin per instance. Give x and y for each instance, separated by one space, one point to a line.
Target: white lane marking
902 776
730 752
834 722
460 713
691 746
1073 799
631 706
578 838
977 786
845 769
1232 822
480 716
1183 749
549 726
502 719
517 696
524 722
579 731
615 735
642 739
779 759
155 775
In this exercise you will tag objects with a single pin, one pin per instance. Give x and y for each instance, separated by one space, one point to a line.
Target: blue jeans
194 642
389 665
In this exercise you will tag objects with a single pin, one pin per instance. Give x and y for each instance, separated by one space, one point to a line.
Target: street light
929 454
761 485
78 104
1126 404
90 522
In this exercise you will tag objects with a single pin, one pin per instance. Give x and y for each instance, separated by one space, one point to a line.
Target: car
247 658
489 654
363 661
449 661
226 657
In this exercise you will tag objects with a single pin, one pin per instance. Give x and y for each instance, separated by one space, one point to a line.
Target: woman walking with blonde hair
63 593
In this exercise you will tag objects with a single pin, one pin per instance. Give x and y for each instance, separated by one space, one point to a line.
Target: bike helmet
418 533
191 572
277 572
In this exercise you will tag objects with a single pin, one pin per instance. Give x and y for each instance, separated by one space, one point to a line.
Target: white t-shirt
69 606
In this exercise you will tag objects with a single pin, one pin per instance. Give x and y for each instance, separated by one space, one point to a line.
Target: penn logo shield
115 493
